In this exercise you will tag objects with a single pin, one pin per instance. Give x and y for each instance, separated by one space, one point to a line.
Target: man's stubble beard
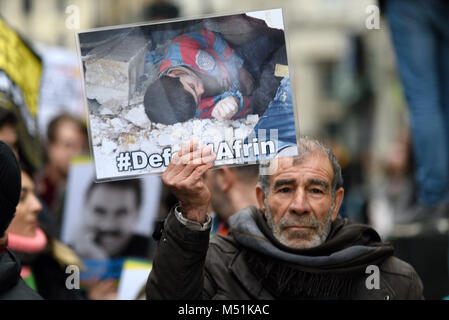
317 239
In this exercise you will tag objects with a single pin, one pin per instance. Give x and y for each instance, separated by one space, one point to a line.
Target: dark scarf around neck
328 271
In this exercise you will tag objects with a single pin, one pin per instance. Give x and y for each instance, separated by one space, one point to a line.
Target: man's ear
225 178
260 195
338 199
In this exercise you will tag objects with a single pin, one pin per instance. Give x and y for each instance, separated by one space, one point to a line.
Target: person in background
160 10
8 132
420 37
12 286
232 189
44 259
66 137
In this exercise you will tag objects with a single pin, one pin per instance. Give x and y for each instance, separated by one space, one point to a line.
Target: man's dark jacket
187 266
12 286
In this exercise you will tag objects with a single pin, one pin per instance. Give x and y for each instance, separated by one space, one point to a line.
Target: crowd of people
278 235
36 202
277 228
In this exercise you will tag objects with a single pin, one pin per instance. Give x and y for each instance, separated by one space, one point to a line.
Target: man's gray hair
306 146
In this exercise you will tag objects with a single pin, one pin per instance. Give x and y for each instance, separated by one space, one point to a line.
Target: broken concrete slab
114 68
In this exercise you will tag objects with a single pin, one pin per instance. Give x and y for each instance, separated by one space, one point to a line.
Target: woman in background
43 258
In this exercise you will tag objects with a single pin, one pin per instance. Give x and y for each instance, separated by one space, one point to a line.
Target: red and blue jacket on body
207 52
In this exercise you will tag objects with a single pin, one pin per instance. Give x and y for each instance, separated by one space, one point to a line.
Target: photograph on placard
222 81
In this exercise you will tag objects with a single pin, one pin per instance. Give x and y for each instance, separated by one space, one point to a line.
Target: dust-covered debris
113 69
132 131
138 117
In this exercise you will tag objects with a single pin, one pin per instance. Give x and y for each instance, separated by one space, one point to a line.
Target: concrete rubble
110 136
115 85
114 68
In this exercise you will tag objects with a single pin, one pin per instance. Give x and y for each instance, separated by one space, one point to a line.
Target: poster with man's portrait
110 221
222 81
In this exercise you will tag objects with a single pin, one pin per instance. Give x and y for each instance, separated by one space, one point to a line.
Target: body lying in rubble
214 75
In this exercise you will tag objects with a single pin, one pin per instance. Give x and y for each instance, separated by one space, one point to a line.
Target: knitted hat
10 185
167 102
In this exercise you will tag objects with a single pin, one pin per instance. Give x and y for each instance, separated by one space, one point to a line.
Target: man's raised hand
184 177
